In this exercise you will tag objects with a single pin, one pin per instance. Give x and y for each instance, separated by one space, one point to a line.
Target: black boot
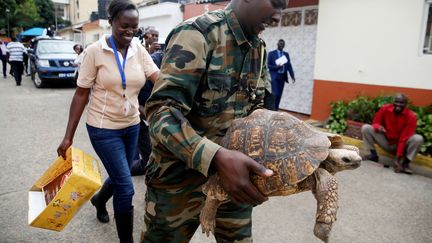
99 201
373 156
124 223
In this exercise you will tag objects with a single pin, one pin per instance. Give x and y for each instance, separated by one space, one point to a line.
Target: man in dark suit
278 71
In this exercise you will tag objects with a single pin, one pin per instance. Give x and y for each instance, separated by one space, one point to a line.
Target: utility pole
55 16
7 18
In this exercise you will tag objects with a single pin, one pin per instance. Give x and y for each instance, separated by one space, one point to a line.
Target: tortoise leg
208 215
325 193
215 196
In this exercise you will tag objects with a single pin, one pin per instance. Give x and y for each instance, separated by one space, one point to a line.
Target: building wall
81 10
191 10
62 9
164 17
95 30
66 33
370 47
301 3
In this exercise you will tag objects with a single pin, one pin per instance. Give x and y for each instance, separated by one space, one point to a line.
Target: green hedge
364 108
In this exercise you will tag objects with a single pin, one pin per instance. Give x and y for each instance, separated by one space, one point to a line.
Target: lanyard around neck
120 67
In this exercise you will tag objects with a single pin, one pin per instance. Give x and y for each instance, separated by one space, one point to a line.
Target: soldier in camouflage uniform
211 74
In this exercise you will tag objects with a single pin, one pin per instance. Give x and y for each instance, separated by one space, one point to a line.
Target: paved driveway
376 205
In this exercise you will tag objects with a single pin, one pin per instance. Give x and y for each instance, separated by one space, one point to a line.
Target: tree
46 12
26 14
4 5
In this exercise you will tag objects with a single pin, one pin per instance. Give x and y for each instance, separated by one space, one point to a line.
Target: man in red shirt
393 128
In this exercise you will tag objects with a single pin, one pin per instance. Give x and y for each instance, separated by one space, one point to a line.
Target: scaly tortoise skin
301 158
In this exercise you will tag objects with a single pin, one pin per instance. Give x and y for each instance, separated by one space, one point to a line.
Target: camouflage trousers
172 213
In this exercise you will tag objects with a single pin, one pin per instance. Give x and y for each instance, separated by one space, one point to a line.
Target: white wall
372 42
164 17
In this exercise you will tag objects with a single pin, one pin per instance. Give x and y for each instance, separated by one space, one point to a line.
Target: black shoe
406 169
124 223
371 158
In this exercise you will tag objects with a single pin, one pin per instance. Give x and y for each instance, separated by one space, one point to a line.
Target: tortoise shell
290 147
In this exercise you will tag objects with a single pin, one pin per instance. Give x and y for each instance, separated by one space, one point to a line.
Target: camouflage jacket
208 78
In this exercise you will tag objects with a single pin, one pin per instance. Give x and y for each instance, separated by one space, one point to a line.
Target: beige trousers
370 138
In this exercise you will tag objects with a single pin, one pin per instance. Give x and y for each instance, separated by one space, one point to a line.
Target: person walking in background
144 145
212 73
393 128
26 60
115 68
16 52
78 48
3 57
279 64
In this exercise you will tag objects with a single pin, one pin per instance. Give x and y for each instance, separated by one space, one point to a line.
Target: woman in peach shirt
112 72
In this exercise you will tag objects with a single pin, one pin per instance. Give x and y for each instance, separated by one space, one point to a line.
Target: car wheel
38 81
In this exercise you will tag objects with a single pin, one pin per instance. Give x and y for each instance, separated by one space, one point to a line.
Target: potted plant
359 112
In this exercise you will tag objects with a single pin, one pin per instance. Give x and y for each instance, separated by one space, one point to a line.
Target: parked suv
51 59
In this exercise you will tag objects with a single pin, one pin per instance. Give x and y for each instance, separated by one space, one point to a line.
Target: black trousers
269 101
144 145
17 70
4 63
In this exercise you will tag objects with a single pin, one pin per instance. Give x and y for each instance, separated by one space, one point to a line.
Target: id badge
126 107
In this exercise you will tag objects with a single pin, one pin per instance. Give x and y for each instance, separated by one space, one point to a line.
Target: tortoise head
342 159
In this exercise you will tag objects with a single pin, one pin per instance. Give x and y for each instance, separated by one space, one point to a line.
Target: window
427 43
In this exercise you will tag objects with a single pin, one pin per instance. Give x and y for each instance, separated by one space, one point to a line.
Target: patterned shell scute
281 142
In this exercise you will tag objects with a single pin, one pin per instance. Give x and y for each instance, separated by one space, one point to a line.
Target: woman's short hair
78 45
117 6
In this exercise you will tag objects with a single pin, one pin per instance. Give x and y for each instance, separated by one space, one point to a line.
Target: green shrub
363 109
424 126
337 119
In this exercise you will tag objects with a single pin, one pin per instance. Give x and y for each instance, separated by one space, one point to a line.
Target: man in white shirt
16 51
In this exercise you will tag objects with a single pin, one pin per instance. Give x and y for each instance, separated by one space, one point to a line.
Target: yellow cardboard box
78 188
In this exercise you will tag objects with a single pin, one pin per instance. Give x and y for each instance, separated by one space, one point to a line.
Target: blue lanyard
120 67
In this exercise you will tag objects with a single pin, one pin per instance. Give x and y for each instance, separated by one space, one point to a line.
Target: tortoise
301 157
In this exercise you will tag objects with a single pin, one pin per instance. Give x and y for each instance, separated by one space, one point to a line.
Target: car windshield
49 47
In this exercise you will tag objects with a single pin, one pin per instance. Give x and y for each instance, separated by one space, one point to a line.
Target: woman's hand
63 147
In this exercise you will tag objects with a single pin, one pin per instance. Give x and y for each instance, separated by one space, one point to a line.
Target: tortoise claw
207 227
322 231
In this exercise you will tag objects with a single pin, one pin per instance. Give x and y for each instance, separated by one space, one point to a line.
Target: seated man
393 128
